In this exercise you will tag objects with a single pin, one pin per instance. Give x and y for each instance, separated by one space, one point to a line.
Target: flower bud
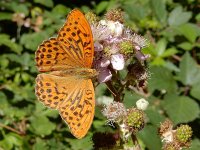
135 119
183 133
142 104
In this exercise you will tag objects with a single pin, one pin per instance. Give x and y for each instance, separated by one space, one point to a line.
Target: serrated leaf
161 79
188 31
180 109
186 46
169 52
159 9
169 65
150 137
41 125
160 47
77 144
189 71
178 16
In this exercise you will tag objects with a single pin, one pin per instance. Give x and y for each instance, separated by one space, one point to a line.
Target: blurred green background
173 29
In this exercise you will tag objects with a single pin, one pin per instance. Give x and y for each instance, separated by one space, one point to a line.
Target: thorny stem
11 129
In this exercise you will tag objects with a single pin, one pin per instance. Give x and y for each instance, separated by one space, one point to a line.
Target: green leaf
77 144
169 52
61 9
154 117
186 46
188 31
41 125
159 9
161 79
178 16
130 99
189 71
32 40
195 90
195 144
5 40
11 140
150 137
5 16
47 3
136 11
40 145
101 7
160 47
181 109
169 65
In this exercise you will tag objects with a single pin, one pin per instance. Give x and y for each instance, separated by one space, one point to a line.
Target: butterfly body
65 82
82 73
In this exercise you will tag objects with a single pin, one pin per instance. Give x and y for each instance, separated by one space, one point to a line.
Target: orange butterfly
68 87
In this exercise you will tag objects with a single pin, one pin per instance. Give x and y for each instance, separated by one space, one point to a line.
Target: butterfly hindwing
72 96
79 114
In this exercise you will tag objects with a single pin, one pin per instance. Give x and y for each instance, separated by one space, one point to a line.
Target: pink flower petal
98 46
104 75
105 63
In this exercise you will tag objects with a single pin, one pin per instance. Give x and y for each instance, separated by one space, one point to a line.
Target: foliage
173 87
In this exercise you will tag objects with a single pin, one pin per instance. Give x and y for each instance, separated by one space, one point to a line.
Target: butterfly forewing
76 36
51 56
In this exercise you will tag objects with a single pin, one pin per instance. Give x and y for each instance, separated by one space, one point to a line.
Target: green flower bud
126 47
91 17
183 133
135 119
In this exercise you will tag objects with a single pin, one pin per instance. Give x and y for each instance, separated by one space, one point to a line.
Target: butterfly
65 81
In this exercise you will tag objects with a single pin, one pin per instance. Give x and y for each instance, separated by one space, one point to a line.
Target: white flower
142 104
117 61
100 31
116 28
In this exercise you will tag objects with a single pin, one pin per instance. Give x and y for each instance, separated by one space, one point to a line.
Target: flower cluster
129 120
114 44
175 139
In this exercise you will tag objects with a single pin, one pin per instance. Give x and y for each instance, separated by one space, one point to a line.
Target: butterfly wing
72 96
51 56
76 37
73 48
